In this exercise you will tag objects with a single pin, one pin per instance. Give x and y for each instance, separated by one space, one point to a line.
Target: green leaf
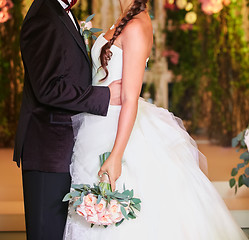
118 223
92 225
99 199
126 193
131 215
89 18
78 202
132 193
94 37
82 196
75 194
136 200
95 30
240 181
245 156
124 212
247 171
105 226
232 182
235 142
67 197
236 189
137 206
234 172
240 165
240 136
246 181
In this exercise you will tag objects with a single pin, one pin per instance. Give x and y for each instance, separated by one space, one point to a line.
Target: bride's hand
113 168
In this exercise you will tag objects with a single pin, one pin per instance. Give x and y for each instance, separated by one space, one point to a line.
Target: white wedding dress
161 164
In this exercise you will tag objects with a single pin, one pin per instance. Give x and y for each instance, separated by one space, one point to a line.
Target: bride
150 150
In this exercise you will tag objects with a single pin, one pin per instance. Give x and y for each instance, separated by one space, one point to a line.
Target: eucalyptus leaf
246 181
118 223
92 225
245 156
136 200
124 212
94 37
82 196
137 206
95 30
235 142
247 171
232 182
240 136
234 172
67 197
89 18
78 202
240 165
240 181
99 199
75 194
131 215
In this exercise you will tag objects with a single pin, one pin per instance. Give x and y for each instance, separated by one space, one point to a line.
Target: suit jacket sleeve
42 52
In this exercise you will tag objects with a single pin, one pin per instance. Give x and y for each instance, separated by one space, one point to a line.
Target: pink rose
90 200
93 219
104 219
90 211
115 211
101 206
81 210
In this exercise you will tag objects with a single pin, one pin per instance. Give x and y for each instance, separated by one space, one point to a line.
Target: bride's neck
125 5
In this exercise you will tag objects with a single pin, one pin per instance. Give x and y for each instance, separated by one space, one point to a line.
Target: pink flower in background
226 2
186 26
173 56
4 15
5 5
213 6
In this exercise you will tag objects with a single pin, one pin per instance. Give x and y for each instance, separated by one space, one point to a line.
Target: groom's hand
115 90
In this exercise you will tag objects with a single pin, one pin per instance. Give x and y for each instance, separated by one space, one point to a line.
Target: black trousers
45 213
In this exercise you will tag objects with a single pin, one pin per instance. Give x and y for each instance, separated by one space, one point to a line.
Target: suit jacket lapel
69 25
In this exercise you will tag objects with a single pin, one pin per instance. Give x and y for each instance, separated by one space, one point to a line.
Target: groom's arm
42 52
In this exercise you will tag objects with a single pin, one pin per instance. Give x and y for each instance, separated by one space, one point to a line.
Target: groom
57 86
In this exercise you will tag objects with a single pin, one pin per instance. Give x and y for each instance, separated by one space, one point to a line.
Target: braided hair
105 55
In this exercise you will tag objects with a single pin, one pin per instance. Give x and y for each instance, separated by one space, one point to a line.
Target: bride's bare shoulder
139 27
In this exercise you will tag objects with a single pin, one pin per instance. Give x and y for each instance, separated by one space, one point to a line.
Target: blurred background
198 69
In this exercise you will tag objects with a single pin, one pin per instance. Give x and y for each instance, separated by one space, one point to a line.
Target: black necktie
69 6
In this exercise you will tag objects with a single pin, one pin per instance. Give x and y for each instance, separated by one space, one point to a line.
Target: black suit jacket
57 85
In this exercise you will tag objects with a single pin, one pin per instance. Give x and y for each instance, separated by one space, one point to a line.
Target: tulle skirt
162 164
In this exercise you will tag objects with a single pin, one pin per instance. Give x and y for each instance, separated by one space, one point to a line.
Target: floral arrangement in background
98 205
242 142
213 6
5 6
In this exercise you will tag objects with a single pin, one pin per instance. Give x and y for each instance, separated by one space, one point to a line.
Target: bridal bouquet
99 205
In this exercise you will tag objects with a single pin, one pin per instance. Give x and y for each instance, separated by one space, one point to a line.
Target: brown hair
106 54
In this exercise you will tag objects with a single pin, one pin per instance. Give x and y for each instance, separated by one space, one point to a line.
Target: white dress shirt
69 13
